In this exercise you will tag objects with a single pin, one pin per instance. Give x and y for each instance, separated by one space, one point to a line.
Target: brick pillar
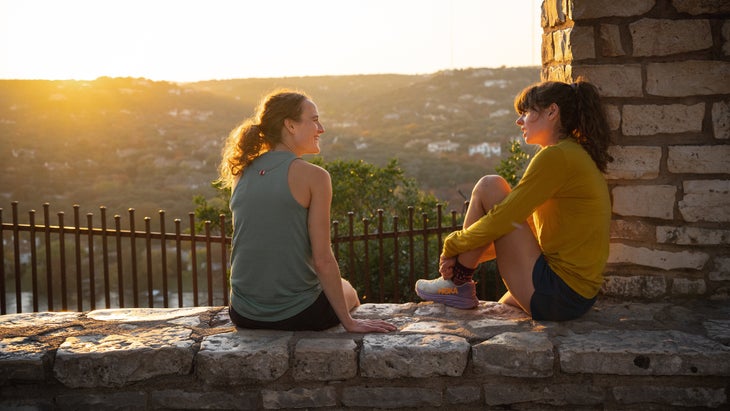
663 67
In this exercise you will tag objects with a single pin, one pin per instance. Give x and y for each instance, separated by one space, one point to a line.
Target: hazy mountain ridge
126 142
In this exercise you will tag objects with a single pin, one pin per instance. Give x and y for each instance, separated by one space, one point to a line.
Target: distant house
442 146
486 149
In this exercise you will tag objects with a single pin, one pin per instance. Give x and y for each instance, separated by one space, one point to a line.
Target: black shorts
318 316
553 299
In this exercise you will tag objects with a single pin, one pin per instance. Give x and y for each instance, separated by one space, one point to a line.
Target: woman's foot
446 292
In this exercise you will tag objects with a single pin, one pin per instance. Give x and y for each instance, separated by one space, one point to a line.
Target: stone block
705 200
526 354
647 120
124 315
299 398
688 286
391 397
685 235
581 43
634 162
621 352
726 38
655 201
554 12
618 80
325 359
610 8
696 7
552 394
234 357
635 230
681 79
722 269
718 330
203 399
667 395
22 358
707 159
666 260
609 41
721 119
124 400
114 360
637 286
662 37
415 355
462 394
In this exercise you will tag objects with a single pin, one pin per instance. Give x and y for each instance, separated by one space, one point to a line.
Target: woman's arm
324 260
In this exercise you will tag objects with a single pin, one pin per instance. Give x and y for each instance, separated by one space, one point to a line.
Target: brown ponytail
581 114
258 134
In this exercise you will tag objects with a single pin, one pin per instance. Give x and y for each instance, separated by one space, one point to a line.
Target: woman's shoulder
311 171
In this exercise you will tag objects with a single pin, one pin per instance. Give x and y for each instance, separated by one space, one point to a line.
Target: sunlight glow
188 40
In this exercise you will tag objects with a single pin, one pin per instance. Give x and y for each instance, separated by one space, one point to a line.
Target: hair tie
574 86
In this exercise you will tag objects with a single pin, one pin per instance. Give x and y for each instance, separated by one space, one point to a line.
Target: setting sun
190 41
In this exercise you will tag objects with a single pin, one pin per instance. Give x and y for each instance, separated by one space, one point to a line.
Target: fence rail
90 264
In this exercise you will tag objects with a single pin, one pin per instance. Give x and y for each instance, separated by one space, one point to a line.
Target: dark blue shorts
318 316
553 299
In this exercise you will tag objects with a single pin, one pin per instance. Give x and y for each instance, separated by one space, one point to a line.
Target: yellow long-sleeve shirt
567 197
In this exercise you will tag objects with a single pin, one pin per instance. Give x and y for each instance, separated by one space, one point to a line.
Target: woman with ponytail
283 272
549 233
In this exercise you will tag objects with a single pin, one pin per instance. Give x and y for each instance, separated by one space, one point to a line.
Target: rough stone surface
231 371
691 235
299 398
679 79
118 359
661 37
706 200
621 80
246 354
645 201
707 159
325 359
526 354
635 286
696 7
610 8
666 260
414 355
674 396
643 353
609 41
645 120
634 162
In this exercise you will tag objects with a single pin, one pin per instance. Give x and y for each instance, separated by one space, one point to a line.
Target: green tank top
272 277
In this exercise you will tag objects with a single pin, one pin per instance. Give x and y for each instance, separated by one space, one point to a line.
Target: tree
513 166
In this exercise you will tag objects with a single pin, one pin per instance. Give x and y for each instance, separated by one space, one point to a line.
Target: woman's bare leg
351 298
516 252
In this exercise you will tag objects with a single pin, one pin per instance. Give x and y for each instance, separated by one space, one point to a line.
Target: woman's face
306 131
538 126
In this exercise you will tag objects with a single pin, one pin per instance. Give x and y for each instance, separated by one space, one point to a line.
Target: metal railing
96 263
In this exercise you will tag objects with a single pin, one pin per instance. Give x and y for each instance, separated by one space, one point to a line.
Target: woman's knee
491 188
350 293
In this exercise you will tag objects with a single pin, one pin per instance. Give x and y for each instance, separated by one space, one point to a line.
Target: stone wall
663 67
627 356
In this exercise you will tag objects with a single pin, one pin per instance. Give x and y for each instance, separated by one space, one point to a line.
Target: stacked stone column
663 67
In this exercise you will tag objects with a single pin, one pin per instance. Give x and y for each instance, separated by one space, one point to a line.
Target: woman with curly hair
283 272
550 233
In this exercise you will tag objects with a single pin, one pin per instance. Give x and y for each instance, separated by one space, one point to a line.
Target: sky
185 40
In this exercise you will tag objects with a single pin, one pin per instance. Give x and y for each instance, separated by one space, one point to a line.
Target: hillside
126 142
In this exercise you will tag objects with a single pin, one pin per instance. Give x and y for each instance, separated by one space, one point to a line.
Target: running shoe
446 292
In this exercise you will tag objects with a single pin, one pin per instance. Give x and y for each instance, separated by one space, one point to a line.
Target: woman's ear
553 111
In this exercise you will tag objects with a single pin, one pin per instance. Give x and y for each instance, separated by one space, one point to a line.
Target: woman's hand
369 326
446 267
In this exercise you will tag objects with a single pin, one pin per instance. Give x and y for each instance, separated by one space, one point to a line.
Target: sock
462 275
